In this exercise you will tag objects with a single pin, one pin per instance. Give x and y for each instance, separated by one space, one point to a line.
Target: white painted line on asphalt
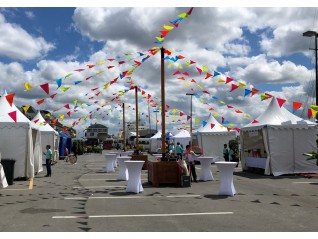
131 197
306 182
145 215
101 187
103 179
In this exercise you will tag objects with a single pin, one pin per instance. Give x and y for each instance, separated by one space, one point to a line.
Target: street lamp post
156 111
191 94
314 34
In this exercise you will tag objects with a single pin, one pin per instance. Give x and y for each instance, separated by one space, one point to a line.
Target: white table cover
226 178
206 173
110 161
3 179
134 170
123 171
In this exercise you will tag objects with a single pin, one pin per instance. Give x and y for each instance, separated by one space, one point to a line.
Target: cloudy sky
261 47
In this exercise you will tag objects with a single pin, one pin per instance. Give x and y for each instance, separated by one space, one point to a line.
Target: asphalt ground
83 198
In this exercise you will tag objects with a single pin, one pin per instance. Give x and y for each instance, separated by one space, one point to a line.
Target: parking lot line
145 215
101 187
131 197
306 182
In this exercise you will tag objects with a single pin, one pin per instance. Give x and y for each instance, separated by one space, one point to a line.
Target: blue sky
262 47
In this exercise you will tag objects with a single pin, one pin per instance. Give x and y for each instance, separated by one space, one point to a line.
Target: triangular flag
27 86
69 114
212 126
181 113
67 106
199 70
64 89
177 73
59 83
233 87
13 115
45 87
188 117
240 85
254 91
10 98
247 92
52 96
296 105
254 121
208 75
40 102
228 80
26 108
309 113
280 102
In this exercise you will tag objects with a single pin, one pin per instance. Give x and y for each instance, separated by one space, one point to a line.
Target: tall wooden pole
137 125
163 105
124 129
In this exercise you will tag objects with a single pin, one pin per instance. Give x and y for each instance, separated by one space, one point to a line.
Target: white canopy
279 138
48 135
16 140
183 136
212 137
155 142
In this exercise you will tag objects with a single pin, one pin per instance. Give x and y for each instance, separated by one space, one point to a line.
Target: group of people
229 154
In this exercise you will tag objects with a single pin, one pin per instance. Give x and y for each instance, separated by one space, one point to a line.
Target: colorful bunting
45 87
27 86
13 115
10 98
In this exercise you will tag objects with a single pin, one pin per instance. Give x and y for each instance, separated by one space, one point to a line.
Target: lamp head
310 34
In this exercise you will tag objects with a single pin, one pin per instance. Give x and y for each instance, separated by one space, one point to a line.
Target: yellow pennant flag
160 38
222 102
204 68
98 73
201 100
48 114
240 85
174 111
171 64
314 113
220 80
64 89
247 116
196 120
106 86
180 66
230 126
216 114
167 27
314 107
200 86
25 108
27 86
61 116
101 62
187 84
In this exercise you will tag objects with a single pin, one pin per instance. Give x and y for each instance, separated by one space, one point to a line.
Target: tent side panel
281 150
13 145
304 142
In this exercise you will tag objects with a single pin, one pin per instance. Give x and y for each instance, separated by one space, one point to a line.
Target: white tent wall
154 144
16 143
37 151
287 146
212 144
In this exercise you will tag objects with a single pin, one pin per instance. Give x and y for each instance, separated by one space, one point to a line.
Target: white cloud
17 44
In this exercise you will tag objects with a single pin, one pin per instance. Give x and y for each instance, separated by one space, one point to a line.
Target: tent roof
277 116
182 134
41 123
5 109
157 135
217 126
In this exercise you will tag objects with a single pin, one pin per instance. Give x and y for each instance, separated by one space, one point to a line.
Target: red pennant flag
10 98
212 126
143 92
193 81
164 33
90 66
190 11
167 106
69 114
234 87
52 96
280 102
230 107
64 129
181 113
67 106
45 87
188 117
94 89
205 91
268 96
222 120
40 102
181 57
111 59
208 75
109 67
137 62
35 121
149 96
254 121
185 73
211 109
88 77
177 73
238 111
79 70
309 113
254 91
228 80
121 62
54 121
199 70
181 78
192 62
297 105
13 115
167 52
97 94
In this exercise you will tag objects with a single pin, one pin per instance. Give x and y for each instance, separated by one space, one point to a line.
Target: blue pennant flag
247 92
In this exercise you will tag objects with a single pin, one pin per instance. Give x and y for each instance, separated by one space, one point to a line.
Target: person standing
179 151
231 154
189 159
48 160
226 153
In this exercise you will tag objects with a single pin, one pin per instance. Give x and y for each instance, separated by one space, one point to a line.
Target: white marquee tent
48 135
212 137
183 136
155 142
276 142
18 140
